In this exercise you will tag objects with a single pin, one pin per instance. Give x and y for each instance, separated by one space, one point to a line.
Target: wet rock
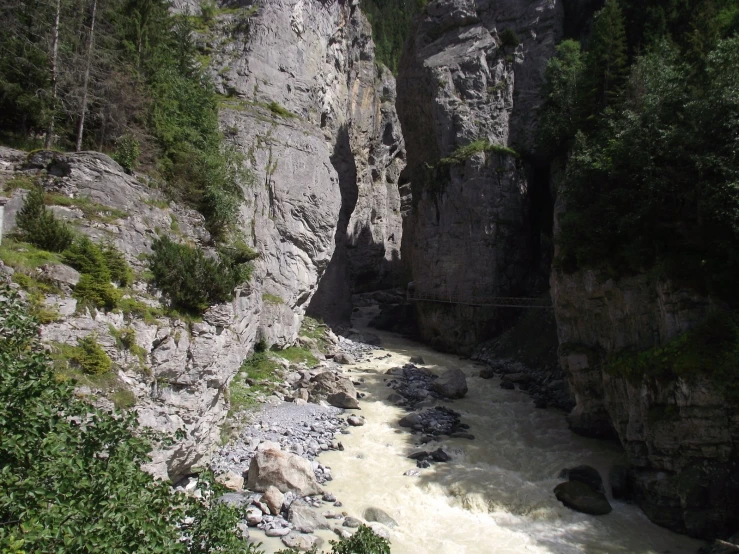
585 474
355 421
303 543
380 516
305 519
417 360
351 522
410 420
283 470
462 435
344 358
507 385
422 455
451 384
412 473
379 529
343 400
274 500
440 456
487 373
580 497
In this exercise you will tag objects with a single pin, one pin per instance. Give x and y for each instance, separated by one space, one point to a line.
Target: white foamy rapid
495 496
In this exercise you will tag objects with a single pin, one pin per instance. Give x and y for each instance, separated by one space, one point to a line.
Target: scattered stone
328 497
380 516
277 531
253 516
451 384
342 533
274 499
237 500
580 497
412 473
283 470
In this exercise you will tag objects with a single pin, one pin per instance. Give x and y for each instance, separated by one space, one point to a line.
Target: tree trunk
53 68
86 80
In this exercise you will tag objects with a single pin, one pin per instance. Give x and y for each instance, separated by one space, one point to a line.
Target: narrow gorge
466 304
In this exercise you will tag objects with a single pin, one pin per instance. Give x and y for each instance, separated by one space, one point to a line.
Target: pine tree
606 62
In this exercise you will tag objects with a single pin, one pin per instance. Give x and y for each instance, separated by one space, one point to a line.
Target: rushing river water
495 496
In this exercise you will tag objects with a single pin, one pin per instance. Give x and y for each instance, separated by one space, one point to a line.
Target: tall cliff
681 434
314 118
469 89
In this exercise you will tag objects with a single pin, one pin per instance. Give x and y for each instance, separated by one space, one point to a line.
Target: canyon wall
314 117
472 74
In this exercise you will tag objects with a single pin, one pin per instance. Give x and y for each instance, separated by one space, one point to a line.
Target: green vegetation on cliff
652 143
391 21
123 77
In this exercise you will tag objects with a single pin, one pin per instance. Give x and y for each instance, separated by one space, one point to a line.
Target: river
495 496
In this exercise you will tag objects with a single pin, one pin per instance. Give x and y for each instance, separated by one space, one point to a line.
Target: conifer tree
606 63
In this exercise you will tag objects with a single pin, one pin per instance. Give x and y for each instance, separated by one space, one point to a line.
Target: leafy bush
127 153
38 225
91 358
509 38
191 280
77 488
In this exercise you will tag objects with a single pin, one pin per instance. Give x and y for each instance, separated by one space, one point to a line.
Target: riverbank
495 492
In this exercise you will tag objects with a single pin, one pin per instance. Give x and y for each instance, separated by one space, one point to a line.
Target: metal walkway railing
492 301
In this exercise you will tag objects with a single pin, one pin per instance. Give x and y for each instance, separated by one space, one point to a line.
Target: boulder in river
411 420
487 373
303 543
343 400
380 516
451 384
580 497
327 384
585 474
344 358
351 522
287 472
417 360
305 519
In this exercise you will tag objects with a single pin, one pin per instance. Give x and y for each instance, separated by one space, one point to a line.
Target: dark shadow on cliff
332 301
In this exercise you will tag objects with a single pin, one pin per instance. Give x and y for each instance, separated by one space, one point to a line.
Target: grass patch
277 110
272 299
90 209
709 350
130 307
297 355
19 182
123 399
316 330
24 256
87 358
464 153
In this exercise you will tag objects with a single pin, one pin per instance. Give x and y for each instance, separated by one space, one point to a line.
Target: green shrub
191 280
38 225
94 263
464 153
278 110
91 358
364 541
71 478
127 153
509 38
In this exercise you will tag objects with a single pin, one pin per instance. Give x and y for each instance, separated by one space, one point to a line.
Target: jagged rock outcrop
463 79
308 104
681 436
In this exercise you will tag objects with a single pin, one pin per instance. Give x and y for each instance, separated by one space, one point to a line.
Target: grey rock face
681 436
338 156
468 234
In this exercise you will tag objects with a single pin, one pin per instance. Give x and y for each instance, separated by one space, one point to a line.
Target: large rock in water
578 496
305 519
287 472
585 474
380 516
451 384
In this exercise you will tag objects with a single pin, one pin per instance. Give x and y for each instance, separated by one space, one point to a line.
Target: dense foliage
391 21
364 541
70 474
191 279
652 144
123 77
